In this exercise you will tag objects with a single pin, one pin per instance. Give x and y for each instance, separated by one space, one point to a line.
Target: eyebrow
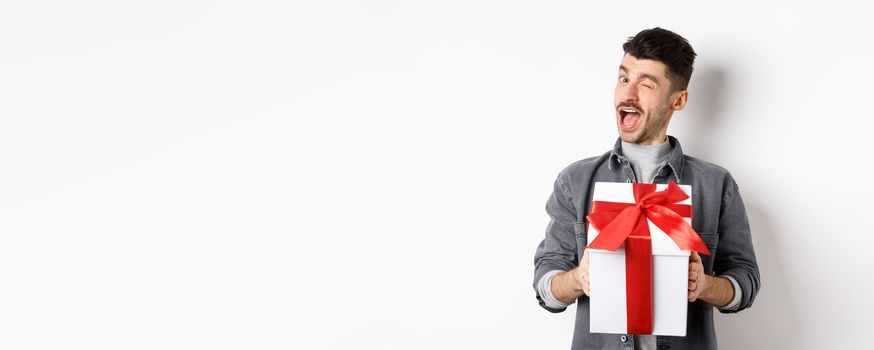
644 75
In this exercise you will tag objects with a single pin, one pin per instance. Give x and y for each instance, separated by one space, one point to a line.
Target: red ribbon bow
619 223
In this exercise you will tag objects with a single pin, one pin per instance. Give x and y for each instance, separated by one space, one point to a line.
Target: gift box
639 240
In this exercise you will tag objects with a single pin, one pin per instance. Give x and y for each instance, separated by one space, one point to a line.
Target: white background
373 174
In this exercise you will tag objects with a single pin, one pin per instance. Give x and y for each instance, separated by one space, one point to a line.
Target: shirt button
623 338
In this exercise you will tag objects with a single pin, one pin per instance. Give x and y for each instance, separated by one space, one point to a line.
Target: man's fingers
694 270
693 267
693 277
693 291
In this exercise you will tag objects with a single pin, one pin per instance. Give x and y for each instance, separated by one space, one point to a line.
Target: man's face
644 101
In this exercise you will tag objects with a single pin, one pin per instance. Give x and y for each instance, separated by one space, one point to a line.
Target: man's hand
710 289
697 278
583 273
569 285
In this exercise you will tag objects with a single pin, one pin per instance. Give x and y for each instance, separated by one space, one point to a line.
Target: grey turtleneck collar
646 159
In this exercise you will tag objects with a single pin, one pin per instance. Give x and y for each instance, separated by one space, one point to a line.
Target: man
651 84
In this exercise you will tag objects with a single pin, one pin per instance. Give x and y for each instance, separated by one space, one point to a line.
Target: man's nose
628 92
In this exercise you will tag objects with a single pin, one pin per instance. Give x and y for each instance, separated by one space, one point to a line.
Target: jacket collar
676 161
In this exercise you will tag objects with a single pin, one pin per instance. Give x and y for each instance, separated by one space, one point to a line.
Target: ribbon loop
616 221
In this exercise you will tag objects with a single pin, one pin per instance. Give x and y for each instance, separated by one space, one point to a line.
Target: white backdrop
373 174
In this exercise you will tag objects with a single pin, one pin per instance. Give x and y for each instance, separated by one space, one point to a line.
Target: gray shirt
646 159
719 218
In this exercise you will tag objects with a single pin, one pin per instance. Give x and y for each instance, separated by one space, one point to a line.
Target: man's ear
678 100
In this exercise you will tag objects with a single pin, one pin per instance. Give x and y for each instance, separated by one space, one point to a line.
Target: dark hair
666 47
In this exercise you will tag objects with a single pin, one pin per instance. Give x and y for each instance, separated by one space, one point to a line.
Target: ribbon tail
678 229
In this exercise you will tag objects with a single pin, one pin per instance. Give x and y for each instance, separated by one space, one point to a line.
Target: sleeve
735 300
735 257
557 251
544 289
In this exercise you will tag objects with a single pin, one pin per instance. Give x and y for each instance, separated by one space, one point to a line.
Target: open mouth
628 117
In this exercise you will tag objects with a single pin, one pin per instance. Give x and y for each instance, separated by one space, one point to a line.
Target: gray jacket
719 217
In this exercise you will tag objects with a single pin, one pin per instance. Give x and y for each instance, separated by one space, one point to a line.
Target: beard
655 120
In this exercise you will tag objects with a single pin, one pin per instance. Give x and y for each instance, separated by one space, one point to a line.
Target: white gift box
670 275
